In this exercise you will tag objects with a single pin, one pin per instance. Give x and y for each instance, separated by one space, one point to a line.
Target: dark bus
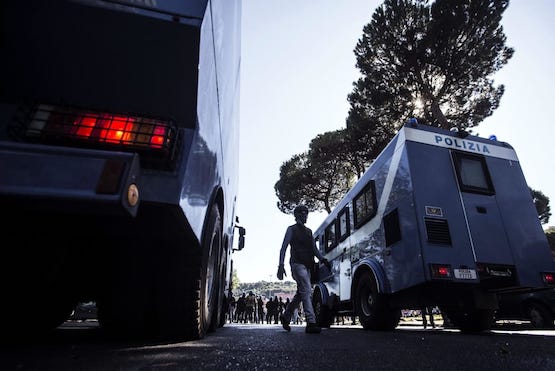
119 128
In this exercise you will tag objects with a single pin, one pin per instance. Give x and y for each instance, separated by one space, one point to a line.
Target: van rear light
52 123
548 278
440 270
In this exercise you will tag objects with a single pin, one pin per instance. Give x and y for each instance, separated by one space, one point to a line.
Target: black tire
172 294
324 317
539 315
187 296
372 307
471 320
189 310
211 276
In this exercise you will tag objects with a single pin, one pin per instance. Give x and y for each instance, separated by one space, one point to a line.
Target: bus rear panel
118 162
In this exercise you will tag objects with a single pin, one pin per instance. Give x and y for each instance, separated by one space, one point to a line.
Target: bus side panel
217 114
226 17
525 235
227 37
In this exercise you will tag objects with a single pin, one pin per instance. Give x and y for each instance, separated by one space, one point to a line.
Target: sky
297 68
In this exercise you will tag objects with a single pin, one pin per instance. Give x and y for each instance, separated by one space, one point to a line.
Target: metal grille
438 231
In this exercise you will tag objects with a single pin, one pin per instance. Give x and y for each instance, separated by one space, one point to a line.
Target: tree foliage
430 61
294 183
550 234
541 202
235 282
318 178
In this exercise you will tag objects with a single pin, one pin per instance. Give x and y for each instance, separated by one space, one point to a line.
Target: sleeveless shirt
301 246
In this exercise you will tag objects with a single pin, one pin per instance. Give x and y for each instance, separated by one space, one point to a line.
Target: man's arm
315 249
286 241
285 244
318 254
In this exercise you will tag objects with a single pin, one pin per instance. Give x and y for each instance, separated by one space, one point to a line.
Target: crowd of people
251 308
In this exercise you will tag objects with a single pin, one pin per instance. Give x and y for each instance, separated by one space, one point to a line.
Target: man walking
303 250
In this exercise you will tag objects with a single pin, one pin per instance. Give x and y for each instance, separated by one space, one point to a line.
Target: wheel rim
367 300
317 307
211 276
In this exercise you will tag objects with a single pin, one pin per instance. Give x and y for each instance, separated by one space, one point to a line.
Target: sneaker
284 323
312 328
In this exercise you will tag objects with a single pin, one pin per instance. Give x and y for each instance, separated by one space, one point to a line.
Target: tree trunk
439 116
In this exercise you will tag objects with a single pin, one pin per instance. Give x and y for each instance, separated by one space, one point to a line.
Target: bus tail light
440 271
100 129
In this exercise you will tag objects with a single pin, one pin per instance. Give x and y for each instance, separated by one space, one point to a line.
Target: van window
365 204
344 229
472 173
330 235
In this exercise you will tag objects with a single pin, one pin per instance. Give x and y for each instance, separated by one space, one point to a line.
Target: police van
441 218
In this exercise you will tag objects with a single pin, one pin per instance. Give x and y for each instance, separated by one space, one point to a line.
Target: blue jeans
301 275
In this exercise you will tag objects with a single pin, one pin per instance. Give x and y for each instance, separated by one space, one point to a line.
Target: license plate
465 274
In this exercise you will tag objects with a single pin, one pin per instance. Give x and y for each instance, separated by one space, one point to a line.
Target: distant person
287 301
303 251
269 308
231 308
281 306
427 311
241 307
295 318
275 310
260 310
250 308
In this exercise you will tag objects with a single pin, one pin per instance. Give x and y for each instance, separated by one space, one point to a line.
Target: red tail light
548 278
134 132
440 271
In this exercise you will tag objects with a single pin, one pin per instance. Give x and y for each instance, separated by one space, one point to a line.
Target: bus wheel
187 287
210 277
321 311
373 308
470 320
540 316
223 302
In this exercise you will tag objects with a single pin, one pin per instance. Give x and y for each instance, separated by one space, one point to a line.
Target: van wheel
373 308
540 316
321 311
472 320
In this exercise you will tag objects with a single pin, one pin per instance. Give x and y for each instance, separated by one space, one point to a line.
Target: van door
483 219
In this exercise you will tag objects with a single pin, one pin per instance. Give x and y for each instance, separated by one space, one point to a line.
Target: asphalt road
81 346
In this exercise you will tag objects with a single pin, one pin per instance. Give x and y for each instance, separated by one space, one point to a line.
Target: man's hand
281 272
326 263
